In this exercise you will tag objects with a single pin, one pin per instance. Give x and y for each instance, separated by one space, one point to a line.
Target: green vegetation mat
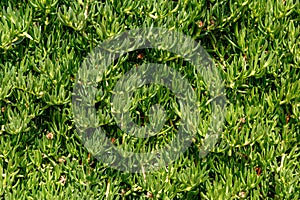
255 46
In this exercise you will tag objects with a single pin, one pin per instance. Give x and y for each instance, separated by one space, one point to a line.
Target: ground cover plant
255 46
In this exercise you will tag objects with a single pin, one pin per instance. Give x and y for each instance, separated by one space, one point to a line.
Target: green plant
256 48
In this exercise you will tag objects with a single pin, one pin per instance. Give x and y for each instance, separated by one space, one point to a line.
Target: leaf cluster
255 46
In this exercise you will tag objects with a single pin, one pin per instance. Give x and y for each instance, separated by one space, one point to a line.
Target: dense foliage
254 44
